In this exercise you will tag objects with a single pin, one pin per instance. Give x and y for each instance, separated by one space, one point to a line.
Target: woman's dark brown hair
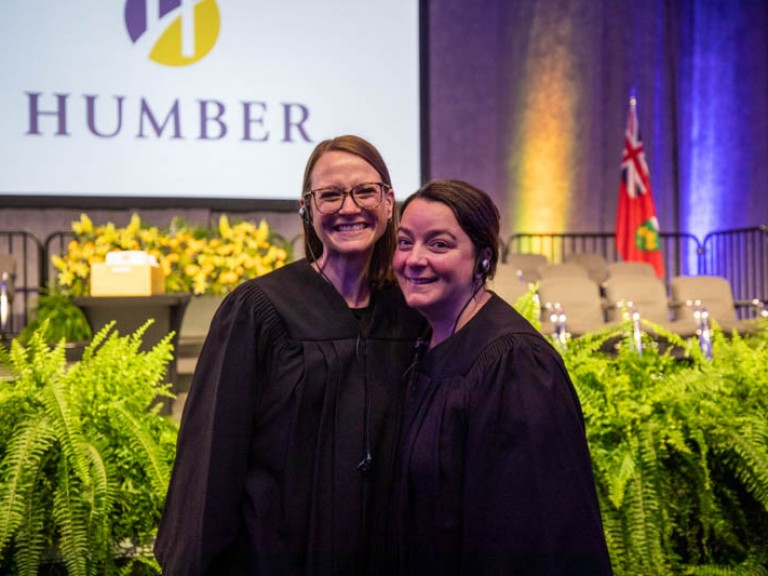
380 264
475 212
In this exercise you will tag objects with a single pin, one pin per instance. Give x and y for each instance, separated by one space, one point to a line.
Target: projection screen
208 102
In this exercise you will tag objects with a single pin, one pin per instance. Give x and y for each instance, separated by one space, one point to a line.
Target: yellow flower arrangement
193 259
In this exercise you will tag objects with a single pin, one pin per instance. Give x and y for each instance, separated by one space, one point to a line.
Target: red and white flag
637 228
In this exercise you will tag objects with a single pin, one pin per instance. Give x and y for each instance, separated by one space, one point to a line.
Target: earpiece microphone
302 211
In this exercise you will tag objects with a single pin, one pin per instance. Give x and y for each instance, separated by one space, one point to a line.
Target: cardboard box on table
127 273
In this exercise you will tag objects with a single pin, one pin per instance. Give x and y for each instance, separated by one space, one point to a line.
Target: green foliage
528 306
85 454
679 445
66 321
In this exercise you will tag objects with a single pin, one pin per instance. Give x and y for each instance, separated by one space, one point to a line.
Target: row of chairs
533 267
594 294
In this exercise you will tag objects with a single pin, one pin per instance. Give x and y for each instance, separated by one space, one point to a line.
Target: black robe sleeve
529 500
204 501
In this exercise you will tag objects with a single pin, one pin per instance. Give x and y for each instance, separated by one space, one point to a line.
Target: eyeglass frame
348 193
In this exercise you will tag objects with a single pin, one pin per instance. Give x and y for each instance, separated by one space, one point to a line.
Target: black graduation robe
289 392
495 474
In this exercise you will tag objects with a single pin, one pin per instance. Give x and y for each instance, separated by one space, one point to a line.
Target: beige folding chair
713 293
596 264
647 295
579 298
526 265
634 268
564 270
508 284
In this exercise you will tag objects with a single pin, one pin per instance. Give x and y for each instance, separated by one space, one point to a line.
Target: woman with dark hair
494 474
288 436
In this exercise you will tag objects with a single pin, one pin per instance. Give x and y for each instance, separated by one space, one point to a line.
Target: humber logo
174 32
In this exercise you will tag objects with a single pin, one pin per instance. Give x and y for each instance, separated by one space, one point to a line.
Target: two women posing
304 450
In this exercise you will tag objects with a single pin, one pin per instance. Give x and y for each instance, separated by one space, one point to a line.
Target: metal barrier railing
682 252
29 257
556 246
740 255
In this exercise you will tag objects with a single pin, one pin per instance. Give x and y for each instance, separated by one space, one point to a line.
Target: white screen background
354 65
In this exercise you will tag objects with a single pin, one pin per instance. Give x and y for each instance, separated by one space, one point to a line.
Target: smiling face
351 230
434 261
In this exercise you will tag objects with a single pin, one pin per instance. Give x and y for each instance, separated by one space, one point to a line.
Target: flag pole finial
632 96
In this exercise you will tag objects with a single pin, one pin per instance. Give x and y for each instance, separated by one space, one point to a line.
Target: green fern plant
528 306
66 321
85 454
679 449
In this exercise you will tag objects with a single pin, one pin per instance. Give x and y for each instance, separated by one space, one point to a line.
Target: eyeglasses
366 196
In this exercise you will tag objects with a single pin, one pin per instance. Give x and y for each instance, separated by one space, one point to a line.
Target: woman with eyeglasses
494 474
288 436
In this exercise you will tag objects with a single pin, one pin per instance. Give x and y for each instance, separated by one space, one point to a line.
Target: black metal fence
740 255
681 251
29 257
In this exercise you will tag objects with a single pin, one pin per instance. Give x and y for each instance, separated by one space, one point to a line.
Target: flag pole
637 226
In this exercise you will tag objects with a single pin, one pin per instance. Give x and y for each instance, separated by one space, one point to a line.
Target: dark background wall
528 99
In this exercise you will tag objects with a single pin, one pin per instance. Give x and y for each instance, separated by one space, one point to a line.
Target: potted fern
679 446
66 323
680 451
85 455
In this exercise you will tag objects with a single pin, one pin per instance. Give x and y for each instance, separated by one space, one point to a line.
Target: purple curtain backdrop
528 100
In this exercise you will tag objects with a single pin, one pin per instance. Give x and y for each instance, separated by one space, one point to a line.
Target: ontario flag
637 228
